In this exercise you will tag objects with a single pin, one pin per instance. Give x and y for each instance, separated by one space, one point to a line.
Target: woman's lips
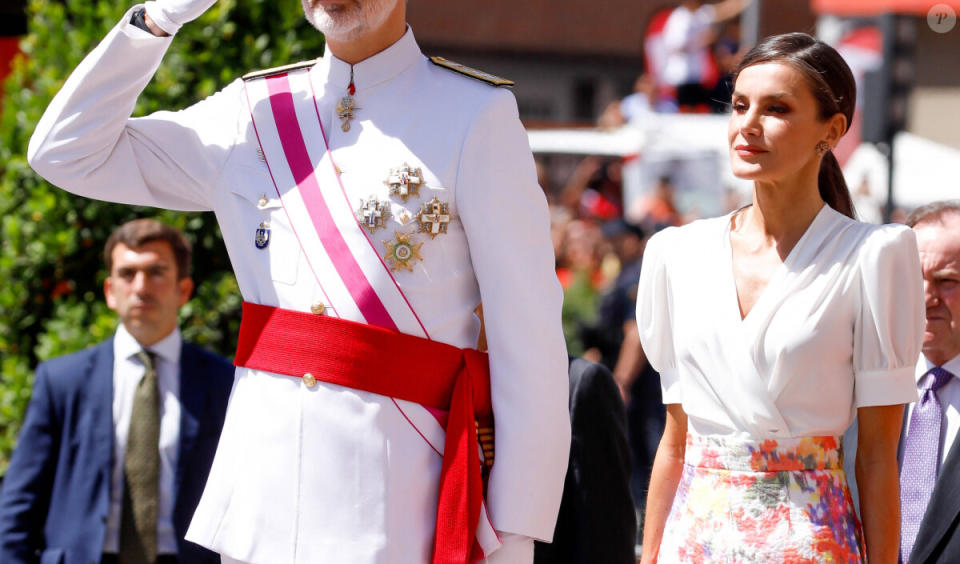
748 150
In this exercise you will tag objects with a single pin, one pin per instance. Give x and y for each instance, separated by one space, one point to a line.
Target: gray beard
346 27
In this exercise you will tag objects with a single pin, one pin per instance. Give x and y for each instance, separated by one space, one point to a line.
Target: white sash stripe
341 300
343 212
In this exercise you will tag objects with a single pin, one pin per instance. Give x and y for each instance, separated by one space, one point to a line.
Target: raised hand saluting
169 15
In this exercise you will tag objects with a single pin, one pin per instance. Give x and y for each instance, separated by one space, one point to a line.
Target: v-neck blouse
839 326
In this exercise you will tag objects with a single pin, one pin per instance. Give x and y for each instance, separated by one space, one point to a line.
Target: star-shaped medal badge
402 252
434 217
373 213
404 181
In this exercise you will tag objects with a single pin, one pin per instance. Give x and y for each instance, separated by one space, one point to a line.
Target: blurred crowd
599 246
690 58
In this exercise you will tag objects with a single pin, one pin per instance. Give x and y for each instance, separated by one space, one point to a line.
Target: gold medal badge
345 109
373 213
434 217
402 252
404 181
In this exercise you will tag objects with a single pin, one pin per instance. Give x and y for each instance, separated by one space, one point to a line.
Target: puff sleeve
654 318
888 331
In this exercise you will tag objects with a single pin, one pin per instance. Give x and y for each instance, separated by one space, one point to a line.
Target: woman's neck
781 212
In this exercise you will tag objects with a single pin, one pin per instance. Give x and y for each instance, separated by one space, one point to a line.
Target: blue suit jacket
55 496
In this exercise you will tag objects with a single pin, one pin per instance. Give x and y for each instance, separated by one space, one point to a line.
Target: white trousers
516 549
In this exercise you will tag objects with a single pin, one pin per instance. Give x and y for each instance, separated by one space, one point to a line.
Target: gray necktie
921 459
141 465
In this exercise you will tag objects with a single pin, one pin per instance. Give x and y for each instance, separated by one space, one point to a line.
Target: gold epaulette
278 70
472 73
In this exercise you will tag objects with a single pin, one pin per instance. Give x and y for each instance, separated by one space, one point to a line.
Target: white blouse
839 326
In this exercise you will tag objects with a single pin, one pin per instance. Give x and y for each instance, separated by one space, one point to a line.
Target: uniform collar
373 70
168 348
923 366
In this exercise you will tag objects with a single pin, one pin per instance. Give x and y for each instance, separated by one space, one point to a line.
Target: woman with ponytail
772 327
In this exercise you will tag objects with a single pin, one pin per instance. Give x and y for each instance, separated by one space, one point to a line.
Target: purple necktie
921 458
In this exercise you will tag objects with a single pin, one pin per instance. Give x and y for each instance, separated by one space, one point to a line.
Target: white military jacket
325 473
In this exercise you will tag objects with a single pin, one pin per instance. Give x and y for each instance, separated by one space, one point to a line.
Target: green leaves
51 242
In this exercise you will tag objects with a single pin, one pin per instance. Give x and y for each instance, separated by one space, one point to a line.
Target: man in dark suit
597 523
119 438
930 444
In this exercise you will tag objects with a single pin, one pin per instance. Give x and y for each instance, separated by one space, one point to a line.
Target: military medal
401 252
347 105
404 181
373 213
263 235
345 109
434 217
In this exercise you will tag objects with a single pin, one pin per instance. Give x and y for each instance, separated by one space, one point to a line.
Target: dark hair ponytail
832 85
833 186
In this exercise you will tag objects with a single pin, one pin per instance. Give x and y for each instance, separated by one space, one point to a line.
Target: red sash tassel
396 365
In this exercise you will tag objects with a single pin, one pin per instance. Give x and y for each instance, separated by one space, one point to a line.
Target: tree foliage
51 242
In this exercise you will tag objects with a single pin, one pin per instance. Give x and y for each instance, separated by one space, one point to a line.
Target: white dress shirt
949 396
127 372
830 333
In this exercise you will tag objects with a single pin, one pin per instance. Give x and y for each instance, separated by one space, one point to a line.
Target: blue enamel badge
263 236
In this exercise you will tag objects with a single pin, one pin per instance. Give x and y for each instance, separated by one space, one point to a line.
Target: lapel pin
262 238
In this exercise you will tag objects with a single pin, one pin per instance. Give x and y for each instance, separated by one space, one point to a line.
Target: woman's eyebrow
764 97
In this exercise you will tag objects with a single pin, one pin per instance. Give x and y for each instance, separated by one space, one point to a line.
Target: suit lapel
192 404
100 402
943 508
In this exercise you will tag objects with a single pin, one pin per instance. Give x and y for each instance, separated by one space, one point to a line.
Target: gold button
309 380
262 202
318 308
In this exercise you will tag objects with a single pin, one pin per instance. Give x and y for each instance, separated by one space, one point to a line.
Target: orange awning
873 7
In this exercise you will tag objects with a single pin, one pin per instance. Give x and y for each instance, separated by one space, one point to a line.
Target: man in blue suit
119 438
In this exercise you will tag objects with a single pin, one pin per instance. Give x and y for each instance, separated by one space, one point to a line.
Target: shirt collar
167 348
373 70
924 365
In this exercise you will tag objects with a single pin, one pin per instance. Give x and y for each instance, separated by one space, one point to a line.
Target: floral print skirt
747 501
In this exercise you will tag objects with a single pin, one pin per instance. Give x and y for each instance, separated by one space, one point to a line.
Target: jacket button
309 380
318 308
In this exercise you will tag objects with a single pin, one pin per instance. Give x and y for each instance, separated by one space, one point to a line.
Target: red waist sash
395 365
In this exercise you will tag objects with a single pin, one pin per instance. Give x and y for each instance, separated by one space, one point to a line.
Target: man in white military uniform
369 200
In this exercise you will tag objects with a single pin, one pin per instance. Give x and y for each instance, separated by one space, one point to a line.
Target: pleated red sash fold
396 365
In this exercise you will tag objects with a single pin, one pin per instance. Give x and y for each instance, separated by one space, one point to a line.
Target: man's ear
185 288
108 293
